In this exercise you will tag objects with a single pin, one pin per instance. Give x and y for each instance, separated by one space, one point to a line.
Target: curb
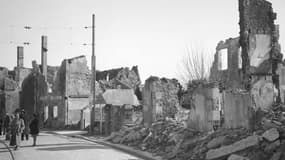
123 148
126 149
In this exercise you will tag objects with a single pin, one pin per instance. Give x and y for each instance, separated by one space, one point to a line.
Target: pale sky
152 34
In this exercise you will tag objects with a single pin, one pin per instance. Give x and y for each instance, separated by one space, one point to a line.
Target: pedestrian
34 128
7 122
17 127
25 133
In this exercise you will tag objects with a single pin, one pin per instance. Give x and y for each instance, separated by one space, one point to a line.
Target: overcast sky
152 34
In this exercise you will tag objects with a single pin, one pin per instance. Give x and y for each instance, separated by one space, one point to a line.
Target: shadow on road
78 147
44 145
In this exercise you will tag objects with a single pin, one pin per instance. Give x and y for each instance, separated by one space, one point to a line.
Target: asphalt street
58 147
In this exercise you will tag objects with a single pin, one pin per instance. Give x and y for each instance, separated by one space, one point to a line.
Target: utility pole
93 89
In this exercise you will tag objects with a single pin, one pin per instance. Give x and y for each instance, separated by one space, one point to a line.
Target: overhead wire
46 28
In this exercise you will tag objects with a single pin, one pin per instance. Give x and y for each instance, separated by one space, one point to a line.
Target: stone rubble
171 140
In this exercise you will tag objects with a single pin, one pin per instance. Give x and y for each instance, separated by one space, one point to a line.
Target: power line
35 27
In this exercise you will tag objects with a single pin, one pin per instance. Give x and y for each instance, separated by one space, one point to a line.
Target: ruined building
123 78
10 84
251 63
70 98
160 99
248 72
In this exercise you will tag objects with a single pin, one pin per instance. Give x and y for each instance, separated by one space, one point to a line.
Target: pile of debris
171 140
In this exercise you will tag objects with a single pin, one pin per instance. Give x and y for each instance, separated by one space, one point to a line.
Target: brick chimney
20 57
44 56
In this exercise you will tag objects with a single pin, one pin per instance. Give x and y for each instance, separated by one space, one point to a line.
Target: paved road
58 147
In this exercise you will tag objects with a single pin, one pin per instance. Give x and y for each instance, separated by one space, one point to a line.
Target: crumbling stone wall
21 74
9 90
11 101
34 88
260 50
3 75
72 82
160 99
78 79
51 76
259 40
205 106
230 77
281 72
238 110
123 78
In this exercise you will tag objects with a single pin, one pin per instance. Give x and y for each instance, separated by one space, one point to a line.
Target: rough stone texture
11 101
120 78
272 146
281 72
72 83
271 134
21 74
125 75
3 75
237 146
216 142
44 56
237 157
51 76
231 76
263 93
206 100
160 99
276 156
20 56
71 91
259 41
10 85
78 79
34 87
238 112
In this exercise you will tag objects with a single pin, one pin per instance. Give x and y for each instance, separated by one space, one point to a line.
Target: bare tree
194 66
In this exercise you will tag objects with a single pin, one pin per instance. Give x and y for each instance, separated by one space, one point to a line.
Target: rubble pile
171 140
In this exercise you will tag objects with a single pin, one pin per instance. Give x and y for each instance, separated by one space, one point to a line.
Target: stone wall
281 73
123 78
259 41
34 87
21 74
78 79
206 108
160 99
11 101
9 90
238 110
229 77
3 75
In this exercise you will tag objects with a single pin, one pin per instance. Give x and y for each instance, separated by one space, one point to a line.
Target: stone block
271 134
276 156
237 157
238 112
272 146
216 142
237 146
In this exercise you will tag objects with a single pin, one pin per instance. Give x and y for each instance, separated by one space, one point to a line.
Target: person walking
25 133
34 128
6 131
17 127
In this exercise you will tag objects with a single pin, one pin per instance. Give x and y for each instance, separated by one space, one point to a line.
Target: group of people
16 127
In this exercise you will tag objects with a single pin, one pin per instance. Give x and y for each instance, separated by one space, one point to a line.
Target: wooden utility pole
92 112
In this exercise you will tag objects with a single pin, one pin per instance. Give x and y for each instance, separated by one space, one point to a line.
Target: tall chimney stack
44 56
20 57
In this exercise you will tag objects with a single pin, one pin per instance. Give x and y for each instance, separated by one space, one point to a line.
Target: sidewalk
100 140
